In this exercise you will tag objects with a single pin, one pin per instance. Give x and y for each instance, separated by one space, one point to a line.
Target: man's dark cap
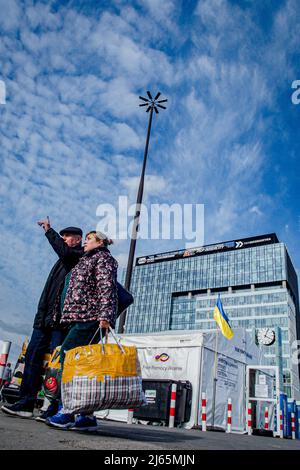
72 230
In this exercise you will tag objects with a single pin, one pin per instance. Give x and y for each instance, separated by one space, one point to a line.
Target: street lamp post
152 105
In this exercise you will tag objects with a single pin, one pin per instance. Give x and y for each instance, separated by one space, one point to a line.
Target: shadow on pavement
142 433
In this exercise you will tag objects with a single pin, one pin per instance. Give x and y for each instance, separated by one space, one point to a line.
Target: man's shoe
18 409
85 423
61 420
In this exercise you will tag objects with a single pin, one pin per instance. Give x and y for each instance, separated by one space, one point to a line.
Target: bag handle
116 339
101 339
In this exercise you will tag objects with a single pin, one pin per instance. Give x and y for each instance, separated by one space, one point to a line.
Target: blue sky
72 134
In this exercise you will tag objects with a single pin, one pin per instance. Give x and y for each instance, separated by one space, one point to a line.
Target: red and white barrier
266 418
130 416
4 352
249 418
281 424
229 415
203 411
172 406
293 425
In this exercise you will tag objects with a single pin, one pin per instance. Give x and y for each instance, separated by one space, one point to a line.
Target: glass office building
258 286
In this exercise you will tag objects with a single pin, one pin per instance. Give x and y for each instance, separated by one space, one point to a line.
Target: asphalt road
17 433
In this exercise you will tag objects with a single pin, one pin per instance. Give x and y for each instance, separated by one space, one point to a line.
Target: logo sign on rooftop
207 249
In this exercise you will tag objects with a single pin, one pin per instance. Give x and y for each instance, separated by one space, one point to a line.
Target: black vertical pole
135 227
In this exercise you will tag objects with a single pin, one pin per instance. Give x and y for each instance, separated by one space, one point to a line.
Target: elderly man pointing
47 332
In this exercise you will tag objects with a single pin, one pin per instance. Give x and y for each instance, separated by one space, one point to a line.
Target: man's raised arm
65 249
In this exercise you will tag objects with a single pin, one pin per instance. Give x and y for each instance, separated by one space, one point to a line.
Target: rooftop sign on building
239 244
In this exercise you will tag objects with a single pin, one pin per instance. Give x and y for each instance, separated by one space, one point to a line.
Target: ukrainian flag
222 320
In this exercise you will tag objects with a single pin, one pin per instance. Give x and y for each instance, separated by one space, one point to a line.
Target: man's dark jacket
68 258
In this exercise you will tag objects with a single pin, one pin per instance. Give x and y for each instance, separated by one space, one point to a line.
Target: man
47 332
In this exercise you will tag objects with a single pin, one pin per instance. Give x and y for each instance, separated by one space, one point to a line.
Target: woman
90 302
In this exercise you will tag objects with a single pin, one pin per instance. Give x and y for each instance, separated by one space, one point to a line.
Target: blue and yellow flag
222 320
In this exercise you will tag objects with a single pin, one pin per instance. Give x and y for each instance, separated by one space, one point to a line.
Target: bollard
281 424
293 425
172 406
229 415
4 352
203 411
130 416
249 419
266 418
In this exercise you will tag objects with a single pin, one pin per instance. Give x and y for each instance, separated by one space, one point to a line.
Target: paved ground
17 433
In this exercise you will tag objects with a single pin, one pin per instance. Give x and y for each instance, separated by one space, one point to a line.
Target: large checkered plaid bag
101 376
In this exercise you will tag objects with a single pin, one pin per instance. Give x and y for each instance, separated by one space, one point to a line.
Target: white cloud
154 185
256 210
125 137
10 15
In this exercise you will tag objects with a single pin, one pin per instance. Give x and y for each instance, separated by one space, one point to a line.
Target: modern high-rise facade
255 278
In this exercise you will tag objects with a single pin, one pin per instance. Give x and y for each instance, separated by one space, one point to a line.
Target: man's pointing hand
45 224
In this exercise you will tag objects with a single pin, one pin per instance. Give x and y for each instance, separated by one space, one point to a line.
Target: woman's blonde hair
99 236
